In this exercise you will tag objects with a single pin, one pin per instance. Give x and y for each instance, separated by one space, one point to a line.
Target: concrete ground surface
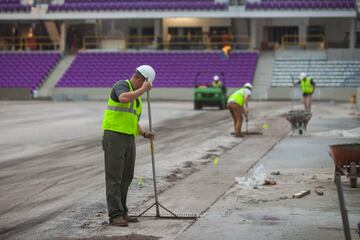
52 173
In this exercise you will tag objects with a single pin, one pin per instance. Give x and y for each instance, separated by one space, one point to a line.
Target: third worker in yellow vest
239 107
216 82
307 87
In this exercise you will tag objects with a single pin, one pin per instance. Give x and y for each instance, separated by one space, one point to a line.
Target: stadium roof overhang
233 12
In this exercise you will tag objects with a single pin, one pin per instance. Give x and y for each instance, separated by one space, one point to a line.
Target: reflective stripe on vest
238 97
121 109
122 117
306 86
217 84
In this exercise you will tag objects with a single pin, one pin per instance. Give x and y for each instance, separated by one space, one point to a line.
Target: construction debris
275 173
188 164
269 182
254 178
319 190
301 194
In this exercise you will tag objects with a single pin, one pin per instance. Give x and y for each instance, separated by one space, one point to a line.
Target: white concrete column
62 37
98 27
303 31
122 31
157 30
253 34
352 34
358 99
205 38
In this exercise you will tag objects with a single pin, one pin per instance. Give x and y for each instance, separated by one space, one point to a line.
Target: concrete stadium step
262 75
325 73
46 89
306 55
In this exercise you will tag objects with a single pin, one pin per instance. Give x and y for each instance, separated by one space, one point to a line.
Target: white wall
241 27
334 28
301 23
120 27
205 23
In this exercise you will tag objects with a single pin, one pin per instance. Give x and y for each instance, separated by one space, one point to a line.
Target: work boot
130 219
239 135
119 222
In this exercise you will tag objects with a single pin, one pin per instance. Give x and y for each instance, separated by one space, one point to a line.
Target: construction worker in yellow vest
307 87
216 82
238 105
121 126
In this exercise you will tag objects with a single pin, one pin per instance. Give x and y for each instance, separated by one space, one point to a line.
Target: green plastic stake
140 181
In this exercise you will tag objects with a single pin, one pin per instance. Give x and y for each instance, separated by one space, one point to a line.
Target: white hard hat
216 78
147 72
303 75
248 85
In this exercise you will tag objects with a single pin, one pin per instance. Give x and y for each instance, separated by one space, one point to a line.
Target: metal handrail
286 40
23 42
202 40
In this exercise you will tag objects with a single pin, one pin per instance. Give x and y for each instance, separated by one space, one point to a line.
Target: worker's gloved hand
147 85
149 135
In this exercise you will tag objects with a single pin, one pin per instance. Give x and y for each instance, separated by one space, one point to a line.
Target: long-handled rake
156 204
247 122
247 128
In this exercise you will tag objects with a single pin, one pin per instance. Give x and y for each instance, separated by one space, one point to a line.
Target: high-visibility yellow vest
122 117
217 84
306 86
238 97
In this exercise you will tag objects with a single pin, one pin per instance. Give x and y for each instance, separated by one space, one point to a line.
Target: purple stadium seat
104 69
135 5
13 6
301 4
27 70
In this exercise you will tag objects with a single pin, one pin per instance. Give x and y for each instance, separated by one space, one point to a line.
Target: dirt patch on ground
126 237
178 174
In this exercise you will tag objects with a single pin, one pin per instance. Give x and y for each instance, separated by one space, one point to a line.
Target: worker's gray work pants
120 154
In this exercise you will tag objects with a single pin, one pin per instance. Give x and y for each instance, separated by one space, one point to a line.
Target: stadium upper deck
90 9
70 25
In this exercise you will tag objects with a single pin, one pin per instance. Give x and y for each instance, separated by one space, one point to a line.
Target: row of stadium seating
325 73
136 5
29 70
91 1
13 6
301 4
143 5
9 2
26 70
173 69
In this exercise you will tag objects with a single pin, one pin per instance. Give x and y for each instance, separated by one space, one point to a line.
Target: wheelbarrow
347 161
299 120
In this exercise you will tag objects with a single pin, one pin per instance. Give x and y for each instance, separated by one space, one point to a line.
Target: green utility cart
207 96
